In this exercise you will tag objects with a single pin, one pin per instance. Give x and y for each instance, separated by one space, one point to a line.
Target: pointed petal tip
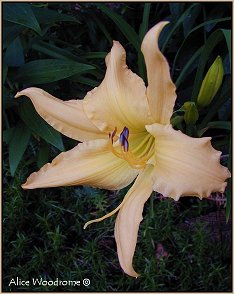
17 95
162 24
132 273
25 186
28 184
20 93
27 91
116 42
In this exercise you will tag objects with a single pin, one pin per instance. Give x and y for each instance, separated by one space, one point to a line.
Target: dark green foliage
61 47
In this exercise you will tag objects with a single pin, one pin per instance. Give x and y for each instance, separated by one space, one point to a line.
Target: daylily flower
126 134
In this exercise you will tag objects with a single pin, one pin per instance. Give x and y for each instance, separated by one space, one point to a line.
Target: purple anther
112 135
126 132
122 139
125 145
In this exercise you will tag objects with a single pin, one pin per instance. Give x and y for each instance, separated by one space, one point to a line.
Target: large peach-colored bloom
126 134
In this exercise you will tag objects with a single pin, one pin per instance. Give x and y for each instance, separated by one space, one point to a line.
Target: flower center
138 157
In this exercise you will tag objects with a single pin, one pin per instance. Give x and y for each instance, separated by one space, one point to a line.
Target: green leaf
21 13
17 146
215 125
174 26
53 51
145 21
190 20
7 98
94 55
227 34
4 72
123 26
7 135
188 67
39 126
50 70
103 29
142 31
213 21
176 8
189 36
47 16
225 110
14 55
10 32
85 81
43 156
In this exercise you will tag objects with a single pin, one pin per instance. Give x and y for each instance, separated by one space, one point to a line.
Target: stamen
136 162
125 146
122 139
110 213
112 135
126 132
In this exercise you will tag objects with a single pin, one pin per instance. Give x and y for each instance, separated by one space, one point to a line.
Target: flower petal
161 90
67 117
185 166
120 100
89 163
129 218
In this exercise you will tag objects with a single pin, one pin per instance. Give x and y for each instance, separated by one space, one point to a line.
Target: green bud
176 120
211 83
191 113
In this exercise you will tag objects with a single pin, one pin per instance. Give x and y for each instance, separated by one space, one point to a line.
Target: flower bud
191 114
176 120
211 83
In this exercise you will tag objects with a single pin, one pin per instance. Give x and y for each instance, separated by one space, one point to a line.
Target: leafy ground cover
61 47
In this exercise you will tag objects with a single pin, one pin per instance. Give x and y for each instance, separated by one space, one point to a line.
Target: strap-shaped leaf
4 72
227 34
50 70
17 146
53 51
189 38
174 26
142 31
47 16
43 155
7 135
123 26
21 13
188 67
145 21
14 55
10 32
226 125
